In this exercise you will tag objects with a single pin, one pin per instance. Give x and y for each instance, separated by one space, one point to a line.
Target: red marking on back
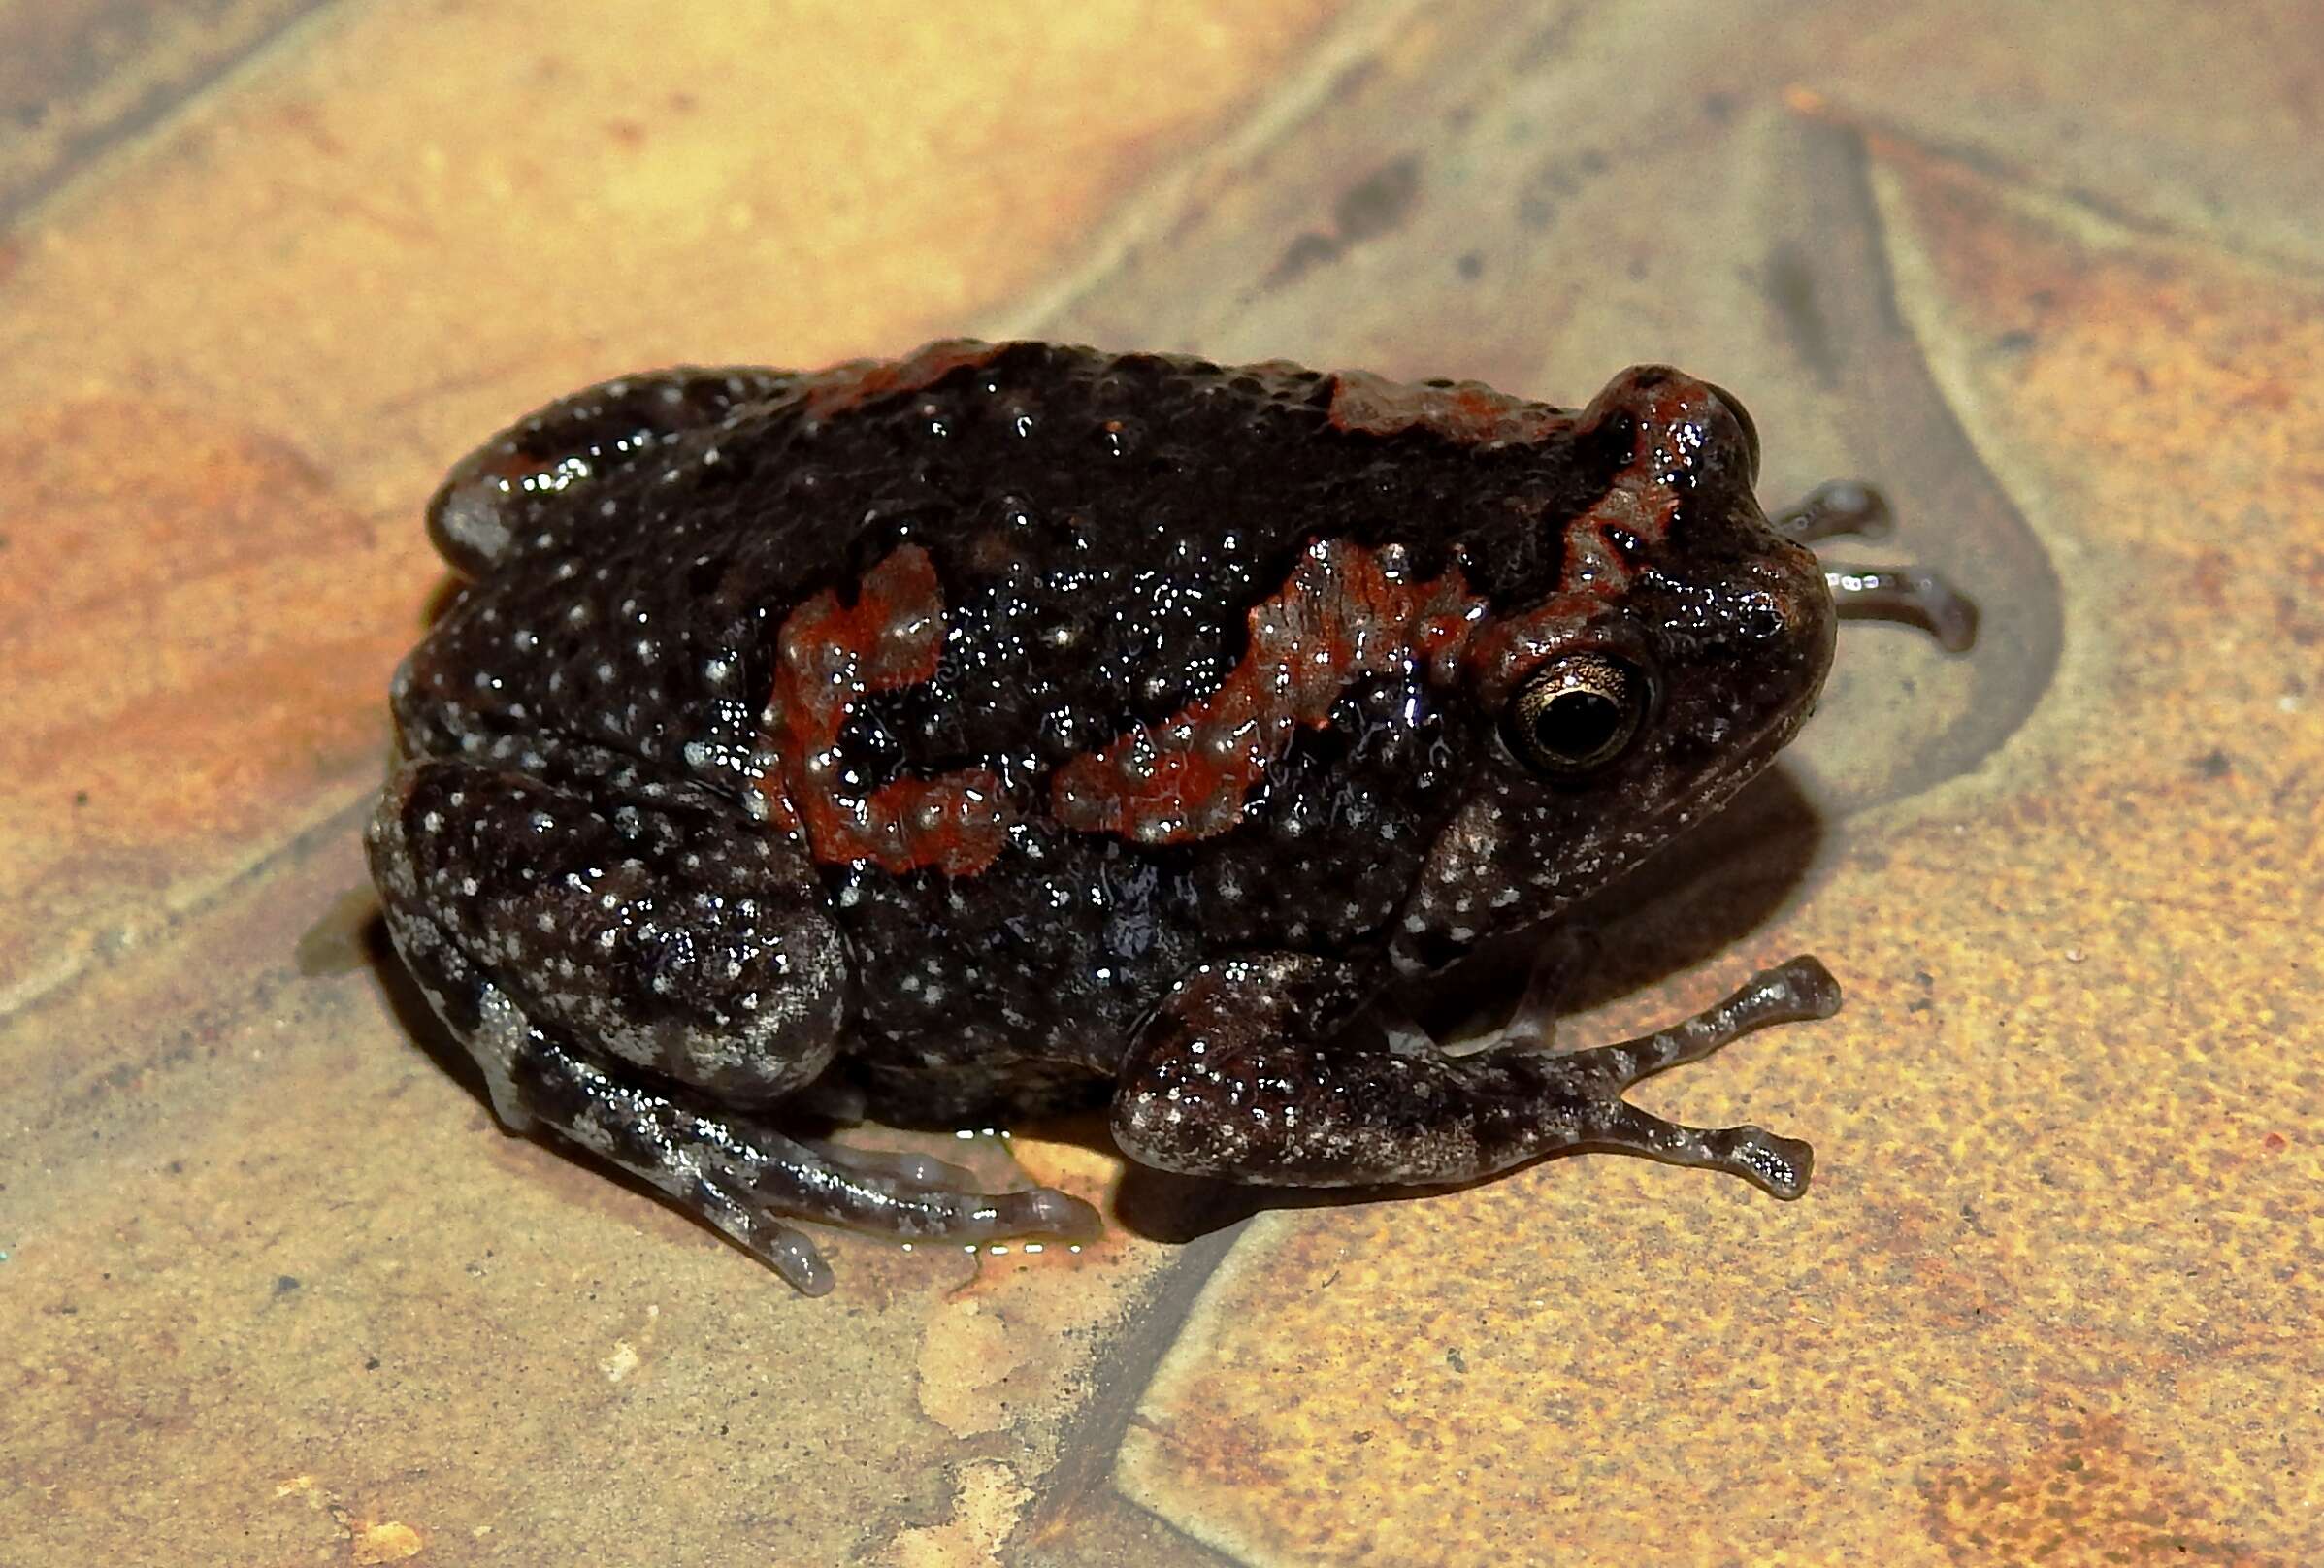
828 657
1344 613
858 382
1470 412
1671 414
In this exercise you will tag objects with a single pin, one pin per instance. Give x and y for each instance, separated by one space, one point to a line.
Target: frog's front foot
1910 595
1228 1081
1791 992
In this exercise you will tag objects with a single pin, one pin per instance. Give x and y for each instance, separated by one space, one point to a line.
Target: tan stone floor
276 1291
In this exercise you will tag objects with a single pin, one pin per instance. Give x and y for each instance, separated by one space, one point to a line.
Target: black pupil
1577 724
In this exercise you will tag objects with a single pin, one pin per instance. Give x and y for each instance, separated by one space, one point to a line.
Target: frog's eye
1575 713
1743 418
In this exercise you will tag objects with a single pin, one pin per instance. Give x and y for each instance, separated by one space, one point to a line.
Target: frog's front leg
1910 595
641 972
1260 1069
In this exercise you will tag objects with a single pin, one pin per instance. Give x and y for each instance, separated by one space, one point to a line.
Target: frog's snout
1783 611
1799 603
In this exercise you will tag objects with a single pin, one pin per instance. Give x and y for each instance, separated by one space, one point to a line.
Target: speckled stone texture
277 1290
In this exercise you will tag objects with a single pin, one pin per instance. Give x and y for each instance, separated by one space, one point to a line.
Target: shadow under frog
968 736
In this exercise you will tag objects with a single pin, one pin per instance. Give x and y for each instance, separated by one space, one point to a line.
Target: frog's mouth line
1709 795
1723 783
1655 831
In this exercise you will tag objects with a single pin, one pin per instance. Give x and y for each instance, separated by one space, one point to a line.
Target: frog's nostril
1781 609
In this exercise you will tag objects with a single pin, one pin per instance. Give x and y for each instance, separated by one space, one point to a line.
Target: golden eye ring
1575 714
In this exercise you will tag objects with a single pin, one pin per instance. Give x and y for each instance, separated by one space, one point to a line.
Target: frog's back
1091 531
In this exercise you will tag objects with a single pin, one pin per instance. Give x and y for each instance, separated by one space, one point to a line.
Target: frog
1015 727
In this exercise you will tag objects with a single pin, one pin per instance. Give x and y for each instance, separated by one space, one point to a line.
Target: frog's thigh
1251 1070
685 939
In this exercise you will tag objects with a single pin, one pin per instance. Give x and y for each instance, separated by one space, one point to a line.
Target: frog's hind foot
747 1179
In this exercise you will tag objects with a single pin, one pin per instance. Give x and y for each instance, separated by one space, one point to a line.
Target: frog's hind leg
557 457
747 1179
628 964
1259 1069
